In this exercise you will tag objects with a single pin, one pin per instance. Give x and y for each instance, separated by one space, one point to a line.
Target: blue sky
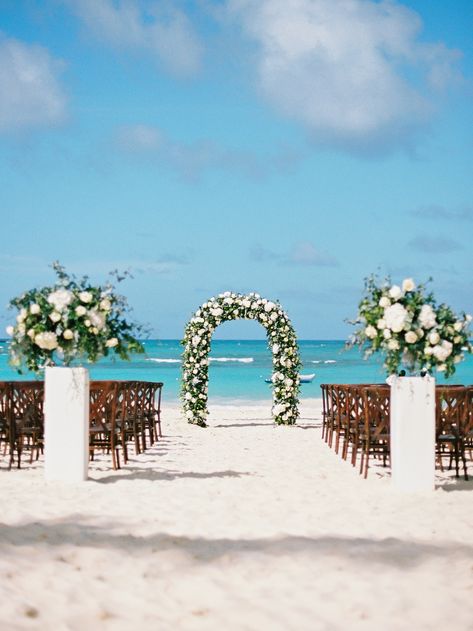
289 147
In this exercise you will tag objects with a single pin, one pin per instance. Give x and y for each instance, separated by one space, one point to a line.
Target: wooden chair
26 418
375 436
5 424
450 423
104 432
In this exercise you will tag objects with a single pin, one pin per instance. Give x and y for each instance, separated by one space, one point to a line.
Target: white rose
381 324
246 303
188 396
31 333
46 340
393 345
387 334
458 358
35 309
189 414
410 337
288 382
275 348
428 350
434 338
458 326
80 310
87 322
10 329
278 409
441 367
55 316
274 316
111 342
395 292
60 299
370 332
408 284
68 334
384 302
105 305
85 296
196 340
442 350
427 317
97 319
395 317
269 306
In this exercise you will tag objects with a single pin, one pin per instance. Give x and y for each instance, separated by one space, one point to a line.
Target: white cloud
30 94
435 211
157 28
193 158
303 253
352 71
434 245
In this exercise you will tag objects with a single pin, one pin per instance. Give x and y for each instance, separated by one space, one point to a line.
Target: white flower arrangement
68 321
410 328
282 342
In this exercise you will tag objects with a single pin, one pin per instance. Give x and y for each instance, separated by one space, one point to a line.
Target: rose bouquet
410 328
70 320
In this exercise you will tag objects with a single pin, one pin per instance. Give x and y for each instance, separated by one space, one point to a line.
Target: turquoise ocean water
238 368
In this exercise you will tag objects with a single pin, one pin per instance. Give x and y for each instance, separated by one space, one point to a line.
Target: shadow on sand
392 551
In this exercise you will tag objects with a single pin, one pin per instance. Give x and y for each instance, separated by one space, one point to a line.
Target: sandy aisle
243 525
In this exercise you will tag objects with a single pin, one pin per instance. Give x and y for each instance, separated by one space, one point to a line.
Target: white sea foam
330 361
242 360
316 361
159 360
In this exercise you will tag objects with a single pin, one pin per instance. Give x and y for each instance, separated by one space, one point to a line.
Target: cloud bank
303 253
30 93
157 29
354 72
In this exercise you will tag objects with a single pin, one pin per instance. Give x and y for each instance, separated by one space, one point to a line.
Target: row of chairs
121 413
356 419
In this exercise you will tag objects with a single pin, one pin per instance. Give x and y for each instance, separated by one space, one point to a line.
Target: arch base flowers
282 342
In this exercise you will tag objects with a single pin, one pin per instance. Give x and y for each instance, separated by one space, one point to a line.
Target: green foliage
71 320
407 325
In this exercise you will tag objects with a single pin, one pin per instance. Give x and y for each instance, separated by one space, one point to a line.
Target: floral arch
282 342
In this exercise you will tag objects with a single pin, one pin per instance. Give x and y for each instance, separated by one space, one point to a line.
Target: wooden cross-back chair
451 419
104 430
26 419
375 435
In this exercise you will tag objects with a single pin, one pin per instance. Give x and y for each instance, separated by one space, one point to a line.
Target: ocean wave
330 361
243 360
158 360
316 361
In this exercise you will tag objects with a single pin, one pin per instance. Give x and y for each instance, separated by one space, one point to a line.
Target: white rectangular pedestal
413 433
66 424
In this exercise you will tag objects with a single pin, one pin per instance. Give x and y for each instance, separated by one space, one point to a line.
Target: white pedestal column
66 424
413 433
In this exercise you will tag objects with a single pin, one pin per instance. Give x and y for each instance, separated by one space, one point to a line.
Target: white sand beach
240 526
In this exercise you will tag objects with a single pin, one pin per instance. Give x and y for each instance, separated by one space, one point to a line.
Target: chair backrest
26 405
103 405
450 410
377 409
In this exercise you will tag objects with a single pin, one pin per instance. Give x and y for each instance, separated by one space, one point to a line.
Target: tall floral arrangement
70 320
410 328
282 342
